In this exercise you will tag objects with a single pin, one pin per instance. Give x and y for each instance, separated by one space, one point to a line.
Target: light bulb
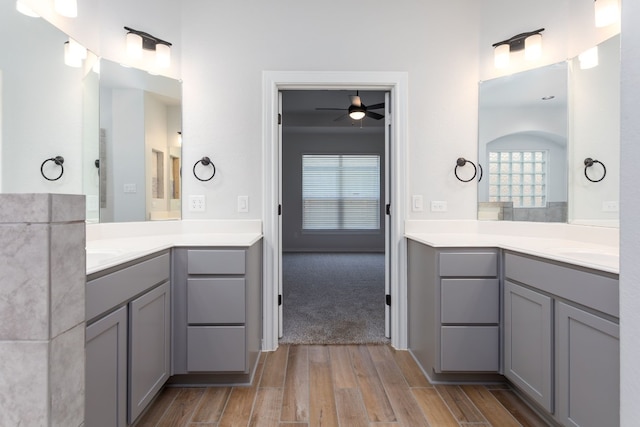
134 45
588 58
501 56
68 8
533 47
25 10
71 57
163 55
607 12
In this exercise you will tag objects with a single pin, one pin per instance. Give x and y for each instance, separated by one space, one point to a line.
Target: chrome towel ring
58 160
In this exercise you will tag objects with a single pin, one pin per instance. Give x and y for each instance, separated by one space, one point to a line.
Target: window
340 192
519 177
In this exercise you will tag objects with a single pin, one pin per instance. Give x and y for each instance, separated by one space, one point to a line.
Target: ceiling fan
357 110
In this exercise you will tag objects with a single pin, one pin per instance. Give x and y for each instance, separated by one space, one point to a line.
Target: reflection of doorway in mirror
175 177
157 174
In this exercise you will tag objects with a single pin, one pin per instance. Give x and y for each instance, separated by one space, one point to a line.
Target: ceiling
299 109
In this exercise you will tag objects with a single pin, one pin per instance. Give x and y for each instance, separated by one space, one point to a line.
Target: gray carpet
333 298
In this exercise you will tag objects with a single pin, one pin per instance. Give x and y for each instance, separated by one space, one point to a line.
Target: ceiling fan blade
355 100
330 109
341 118
374 115
375 106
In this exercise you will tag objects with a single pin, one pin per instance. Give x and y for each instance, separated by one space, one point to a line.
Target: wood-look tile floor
339 385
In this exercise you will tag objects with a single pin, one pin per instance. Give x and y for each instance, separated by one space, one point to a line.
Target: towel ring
58 160
588 162
462 162
205 162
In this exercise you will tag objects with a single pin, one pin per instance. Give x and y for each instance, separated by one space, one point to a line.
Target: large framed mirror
41 107
535 130
140 145
116 128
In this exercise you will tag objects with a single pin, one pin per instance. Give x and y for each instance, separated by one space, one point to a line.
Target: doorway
334 236
274 82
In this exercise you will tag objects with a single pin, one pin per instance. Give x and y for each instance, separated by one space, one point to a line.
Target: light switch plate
417 204
243 203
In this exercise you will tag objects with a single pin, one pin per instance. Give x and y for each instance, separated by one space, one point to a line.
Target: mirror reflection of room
140 120
536 129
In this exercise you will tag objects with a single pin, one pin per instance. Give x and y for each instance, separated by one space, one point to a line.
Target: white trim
272 83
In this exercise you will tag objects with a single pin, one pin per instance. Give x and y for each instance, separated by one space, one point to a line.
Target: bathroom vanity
487 307
180 307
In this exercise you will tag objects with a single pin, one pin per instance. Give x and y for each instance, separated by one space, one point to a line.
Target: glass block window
519 177
340 192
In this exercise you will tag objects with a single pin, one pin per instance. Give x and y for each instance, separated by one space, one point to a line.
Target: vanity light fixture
588 58
68 8
74 53
530 42
25 10
607 12
137 41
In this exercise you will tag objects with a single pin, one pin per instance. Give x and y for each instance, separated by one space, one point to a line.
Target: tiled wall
42 259
504 211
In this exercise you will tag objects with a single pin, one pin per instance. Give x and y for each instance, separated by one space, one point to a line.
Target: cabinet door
106 371
588 368
150 346
528 342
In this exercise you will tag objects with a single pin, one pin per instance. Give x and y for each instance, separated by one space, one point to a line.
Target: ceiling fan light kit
357 110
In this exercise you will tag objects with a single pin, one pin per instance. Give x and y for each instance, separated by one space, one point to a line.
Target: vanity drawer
469 264
216 349
215 261
597 291
468 301
216 300
107 292
470 348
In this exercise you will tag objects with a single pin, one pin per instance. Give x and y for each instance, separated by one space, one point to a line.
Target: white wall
42 113
594 129
629 228
228 44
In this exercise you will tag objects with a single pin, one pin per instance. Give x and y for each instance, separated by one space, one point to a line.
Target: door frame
272 83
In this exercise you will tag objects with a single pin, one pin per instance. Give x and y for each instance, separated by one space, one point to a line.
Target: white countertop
109 245
591 247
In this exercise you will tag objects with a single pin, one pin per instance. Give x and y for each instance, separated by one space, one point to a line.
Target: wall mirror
536 128
139 150
42 107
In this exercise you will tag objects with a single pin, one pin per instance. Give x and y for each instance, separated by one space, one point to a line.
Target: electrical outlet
610 206
417 204
130 188
243 203
438 206
196 203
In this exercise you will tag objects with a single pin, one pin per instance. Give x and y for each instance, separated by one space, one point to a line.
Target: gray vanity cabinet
106 371
588 368
528 342
149 347
217 319
454 309
128 339
562 338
